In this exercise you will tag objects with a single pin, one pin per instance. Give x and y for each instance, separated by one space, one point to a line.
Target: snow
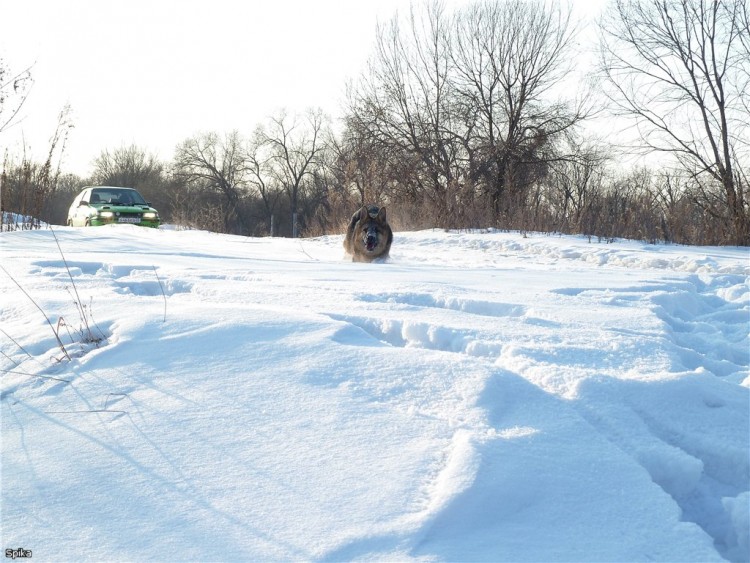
480 396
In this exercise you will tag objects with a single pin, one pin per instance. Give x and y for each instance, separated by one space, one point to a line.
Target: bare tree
572 186
29 188
360 167
744 39
219 165
679 69
466 102
261 176
14 89
296 147
128 166
509 57
402 103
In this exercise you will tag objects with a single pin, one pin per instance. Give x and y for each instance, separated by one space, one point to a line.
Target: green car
102 205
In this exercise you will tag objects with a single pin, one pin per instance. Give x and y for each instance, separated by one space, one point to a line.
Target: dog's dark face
371 229
369 236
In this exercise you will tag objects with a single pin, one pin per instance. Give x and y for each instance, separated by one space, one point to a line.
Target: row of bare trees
259 184
477 118
470 111
269 183
459 104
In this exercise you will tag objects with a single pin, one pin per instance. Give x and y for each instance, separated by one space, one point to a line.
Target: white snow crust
481 396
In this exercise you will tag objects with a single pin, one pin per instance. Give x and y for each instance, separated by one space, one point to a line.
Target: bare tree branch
679 70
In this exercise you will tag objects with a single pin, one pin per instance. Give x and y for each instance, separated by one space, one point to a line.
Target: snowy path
481 397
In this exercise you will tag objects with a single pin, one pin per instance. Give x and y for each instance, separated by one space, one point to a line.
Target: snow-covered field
482 396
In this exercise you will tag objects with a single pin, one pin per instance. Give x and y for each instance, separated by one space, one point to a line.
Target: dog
369 236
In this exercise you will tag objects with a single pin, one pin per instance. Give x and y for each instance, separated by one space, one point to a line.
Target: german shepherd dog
369 236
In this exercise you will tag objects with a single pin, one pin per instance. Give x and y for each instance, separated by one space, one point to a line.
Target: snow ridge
481 396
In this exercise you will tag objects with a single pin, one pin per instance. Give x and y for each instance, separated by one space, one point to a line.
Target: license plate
129 220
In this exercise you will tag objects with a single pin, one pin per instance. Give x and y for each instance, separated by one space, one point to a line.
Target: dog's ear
363 213
381 215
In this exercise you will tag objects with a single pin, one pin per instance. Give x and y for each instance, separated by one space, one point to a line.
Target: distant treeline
468 120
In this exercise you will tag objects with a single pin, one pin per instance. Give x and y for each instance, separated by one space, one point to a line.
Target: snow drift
482 396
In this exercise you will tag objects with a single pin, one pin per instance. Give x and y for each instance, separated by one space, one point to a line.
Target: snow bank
481 396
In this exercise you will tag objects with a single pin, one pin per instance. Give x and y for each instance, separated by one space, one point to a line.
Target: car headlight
106 214
150 215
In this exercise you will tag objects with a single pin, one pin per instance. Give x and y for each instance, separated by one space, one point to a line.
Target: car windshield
117 197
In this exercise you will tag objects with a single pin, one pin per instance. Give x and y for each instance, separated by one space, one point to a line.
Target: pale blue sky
155 72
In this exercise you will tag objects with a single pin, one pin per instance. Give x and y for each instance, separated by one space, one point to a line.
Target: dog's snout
371 238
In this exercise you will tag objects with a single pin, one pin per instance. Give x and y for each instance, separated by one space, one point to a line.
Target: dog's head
372 228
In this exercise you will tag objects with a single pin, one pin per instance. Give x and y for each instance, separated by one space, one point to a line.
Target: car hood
123 208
